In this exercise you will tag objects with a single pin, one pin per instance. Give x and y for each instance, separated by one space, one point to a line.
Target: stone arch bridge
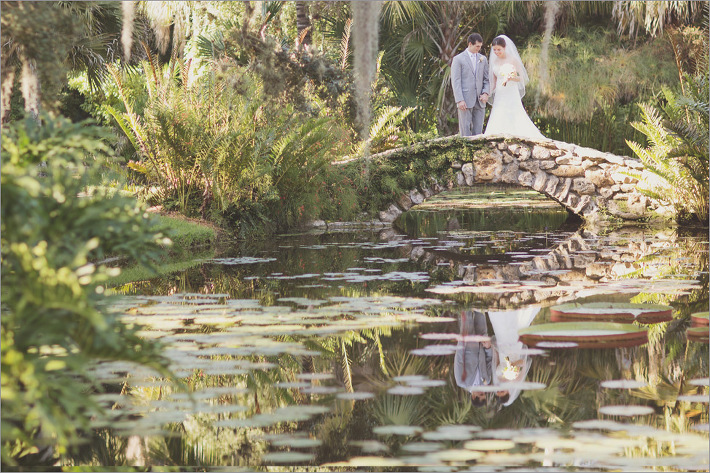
594 185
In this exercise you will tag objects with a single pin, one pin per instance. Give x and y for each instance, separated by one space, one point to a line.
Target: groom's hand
461 105
483 97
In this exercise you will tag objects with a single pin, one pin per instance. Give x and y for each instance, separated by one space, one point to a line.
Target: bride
507 79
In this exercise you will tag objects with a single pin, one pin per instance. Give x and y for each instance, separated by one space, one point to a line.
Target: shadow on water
397 351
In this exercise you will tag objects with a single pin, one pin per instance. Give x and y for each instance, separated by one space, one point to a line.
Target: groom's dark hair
475 38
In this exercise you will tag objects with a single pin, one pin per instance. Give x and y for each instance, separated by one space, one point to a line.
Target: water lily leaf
623 384
424 447
370 446
694 398
700 382
287 457
454 455
405 430
627 411
485 445
405 390
296 442
434 350
356 396
315 376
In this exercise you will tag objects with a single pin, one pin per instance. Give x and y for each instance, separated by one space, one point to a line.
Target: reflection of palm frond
399 410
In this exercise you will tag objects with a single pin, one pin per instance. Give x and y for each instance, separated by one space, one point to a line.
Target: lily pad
612 312
455 455
626 411
700 382
623 384
700 319
585 334
287 457
435 350
694 398
698 334
489 445
424 447
296 442
404 430
356 396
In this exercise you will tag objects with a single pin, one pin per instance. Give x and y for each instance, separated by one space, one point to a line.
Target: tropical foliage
676 156
53 241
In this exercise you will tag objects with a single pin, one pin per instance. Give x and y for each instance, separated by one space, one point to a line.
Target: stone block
606 192
416 196
628 187
510 174
598 177
526 179
569 159
588 163
456 165
405 202
530 165
540 152
488 167
540 181
502 146
572 200
551 184
507 159
555 153
583 186
524 153
469 173
547 164
391 214
460 179
513 148
427 191
568 171
581 204
563 189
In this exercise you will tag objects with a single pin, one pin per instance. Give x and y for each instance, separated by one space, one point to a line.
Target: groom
469 78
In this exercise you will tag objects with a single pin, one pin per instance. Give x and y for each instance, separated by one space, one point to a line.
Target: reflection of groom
473 360
469 78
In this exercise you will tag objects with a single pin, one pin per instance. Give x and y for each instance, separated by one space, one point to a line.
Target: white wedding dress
507 345
508 117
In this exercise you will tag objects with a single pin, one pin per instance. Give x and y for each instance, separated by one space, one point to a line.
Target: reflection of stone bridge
587 182
584 264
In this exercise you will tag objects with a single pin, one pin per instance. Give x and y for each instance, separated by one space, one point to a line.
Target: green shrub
677 153
221 149
52 237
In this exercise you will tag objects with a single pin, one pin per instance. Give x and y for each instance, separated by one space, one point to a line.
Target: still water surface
397 350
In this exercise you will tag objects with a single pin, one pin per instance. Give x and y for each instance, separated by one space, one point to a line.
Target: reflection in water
511 361
474 357
316 355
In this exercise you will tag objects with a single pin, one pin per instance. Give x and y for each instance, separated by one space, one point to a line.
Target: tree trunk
303 24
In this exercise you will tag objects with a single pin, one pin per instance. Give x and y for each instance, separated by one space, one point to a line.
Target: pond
398 349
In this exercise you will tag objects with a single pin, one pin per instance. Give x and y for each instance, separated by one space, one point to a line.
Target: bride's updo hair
498 42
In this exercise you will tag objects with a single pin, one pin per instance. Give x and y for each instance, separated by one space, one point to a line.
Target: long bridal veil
511 53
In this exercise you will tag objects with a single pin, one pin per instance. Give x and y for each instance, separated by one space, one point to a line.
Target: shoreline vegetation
230 115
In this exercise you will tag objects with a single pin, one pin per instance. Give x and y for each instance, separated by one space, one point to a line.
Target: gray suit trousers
471 121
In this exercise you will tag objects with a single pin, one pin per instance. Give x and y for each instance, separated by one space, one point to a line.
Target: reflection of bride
510 362
507 80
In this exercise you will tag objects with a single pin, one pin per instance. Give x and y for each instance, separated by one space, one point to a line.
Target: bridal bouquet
510 371
507 72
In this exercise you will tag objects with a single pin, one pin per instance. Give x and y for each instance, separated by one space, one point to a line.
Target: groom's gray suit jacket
469 84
